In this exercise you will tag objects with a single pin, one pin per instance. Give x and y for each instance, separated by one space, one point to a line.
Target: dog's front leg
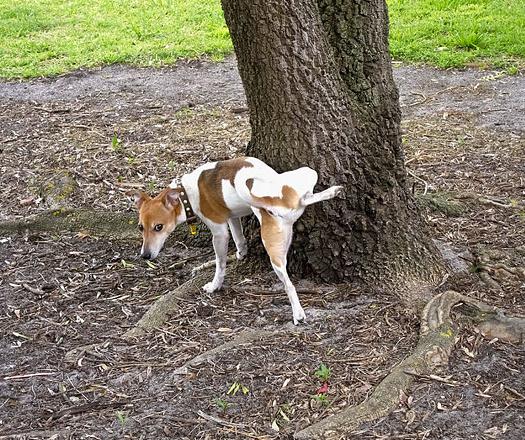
220 245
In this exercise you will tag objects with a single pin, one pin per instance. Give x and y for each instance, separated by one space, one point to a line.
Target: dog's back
262 187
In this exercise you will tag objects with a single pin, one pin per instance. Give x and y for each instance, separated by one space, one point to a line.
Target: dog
220 194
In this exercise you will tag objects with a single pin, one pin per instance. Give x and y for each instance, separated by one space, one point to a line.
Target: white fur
238 198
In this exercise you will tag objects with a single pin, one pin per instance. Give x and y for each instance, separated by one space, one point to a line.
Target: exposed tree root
211 263
98 223
245 337
437 338
492 273
103 224
158 313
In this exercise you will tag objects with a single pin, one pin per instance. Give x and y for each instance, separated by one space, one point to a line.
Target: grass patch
455 33
47 37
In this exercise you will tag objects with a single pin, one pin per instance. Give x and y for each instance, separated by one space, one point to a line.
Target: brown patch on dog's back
289 199
211 200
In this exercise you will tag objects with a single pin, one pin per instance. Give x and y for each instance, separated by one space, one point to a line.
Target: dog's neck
187 214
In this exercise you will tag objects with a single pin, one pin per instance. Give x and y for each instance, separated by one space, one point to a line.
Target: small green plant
171 165
475 268
322 399
116 143
132 160
121 417
185 113
221 404
236 387
323 372
152 186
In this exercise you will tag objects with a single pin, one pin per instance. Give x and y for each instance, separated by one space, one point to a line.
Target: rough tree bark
319 86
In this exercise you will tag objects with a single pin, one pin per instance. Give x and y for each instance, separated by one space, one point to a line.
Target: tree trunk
320 90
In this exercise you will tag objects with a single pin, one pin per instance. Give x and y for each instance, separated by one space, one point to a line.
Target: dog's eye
141 228
158 227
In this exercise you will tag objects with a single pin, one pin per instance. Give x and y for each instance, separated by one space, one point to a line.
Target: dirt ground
87 138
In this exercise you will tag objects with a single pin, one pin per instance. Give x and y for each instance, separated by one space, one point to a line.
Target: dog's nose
146 255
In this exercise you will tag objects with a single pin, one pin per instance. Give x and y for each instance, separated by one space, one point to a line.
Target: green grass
47 37
455 33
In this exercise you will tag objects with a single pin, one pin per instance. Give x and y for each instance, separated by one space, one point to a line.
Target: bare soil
87 138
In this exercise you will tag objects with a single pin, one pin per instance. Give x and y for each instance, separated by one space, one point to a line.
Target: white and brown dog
220 193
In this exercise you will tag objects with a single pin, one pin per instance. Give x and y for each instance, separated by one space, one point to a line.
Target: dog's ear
140 197
171 198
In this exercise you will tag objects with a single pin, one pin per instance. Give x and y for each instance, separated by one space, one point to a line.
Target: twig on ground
244 337
62 433
77 409
219 421
489 281
26 376
423 181
34 290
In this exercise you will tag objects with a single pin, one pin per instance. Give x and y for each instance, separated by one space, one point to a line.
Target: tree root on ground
158 313
437 338
211 263
490 273
102 224
244 337
119 225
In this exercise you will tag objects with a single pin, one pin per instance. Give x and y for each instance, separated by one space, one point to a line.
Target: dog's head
158 217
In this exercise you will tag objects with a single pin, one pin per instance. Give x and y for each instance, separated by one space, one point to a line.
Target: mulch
66 371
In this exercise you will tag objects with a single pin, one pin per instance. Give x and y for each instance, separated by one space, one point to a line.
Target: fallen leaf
323 389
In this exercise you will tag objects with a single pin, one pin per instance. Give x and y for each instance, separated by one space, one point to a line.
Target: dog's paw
241 254
299 316
337 190
210 287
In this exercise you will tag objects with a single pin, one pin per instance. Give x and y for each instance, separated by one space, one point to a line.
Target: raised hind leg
327 194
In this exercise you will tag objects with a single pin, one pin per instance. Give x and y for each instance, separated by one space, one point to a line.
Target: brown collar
191 218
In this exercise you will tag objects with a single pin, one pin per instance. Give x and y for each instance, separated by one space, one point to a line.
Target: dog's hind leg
220 245
238 237
327 194
276 236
